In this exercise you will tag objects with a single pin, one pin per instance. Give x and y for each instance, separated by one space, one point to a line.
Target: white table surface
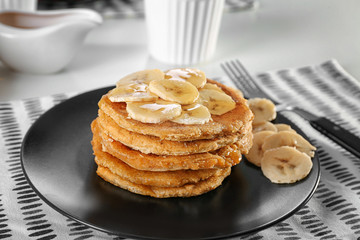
278 34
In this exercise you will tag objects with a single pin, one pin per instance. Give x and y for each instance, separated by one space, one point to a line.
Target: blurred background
264 34
125 8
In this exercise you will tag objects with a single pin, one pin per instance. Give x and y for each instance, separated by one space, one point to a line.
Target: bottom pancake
187 190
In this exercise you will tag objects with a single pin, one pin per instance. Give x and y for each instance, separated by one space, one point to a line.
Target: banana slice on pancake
285 165
153 112
263 109
193 114
194 76
256 151
174 90
134 87
217 102
144 76
217 88
287 138
133 92
212 86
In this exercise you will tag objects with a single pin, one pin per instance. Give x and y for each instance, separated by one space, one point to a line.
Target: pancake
222 158
228 123
187 190
158 179
169 159
245 143
151 144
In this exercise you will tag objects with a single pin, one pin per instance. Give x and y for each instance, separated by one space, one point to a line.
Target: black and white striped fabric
332 213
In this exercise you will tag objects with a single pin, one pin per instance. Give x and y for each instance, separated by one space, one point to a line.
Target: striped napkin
332 213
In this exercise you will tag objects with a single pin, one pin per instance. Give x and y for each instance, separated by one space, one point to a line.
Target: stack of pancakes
169 159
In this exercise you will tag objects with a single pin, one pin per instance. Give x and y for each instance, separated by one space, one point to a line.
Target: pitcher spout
45 41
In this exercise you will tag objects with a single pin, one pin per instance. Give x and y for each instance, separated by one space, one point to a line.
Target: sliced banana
256 151
193 114
217 102
212 86
134 92
286 138
193 76
264 126
263 109
174 90
144 76
285 165
283 127
153 112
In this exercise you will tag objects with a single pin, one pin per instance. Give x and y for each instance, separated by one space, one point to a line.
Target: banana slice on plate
133 92
153 112
264 126
283 127
144 76
287 138
194 76
263 109
285 165
174 90
193 114
256 151
217 102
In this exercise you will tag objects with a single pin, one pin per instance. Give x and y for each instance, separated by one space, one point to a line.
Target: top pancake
229 123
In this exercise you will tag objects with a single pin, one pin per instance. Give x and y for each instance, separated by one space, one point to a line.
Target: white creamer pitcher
43 42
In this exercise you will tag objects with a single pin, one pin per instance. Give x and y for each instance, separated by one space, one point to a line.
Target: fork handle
338 134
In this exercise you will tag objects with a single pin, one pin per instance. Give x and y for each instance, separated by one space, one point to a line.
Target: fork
251 89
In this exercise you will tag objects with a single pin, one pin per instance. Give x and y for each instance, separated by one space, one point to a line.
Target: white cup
183 32
24 5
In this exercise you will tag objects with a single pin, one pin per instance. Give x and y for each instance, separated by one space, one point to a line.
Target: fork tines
240 76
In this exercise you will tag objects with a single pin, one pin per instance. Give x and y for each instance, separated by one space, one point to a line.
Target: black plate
58 162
